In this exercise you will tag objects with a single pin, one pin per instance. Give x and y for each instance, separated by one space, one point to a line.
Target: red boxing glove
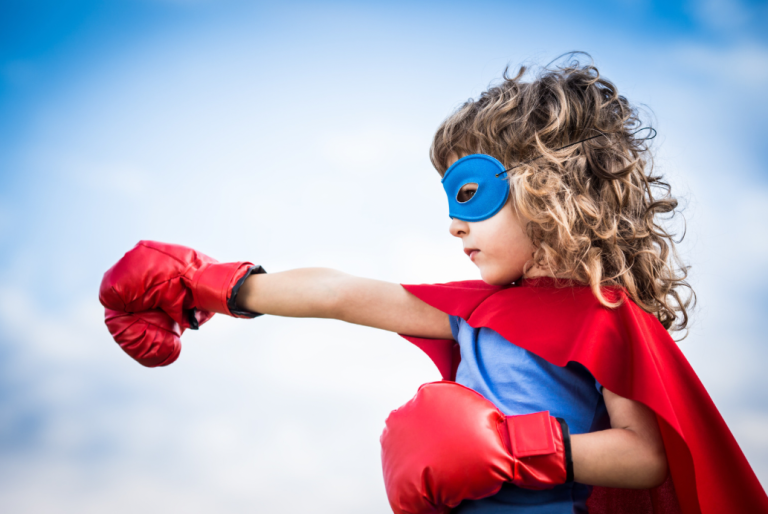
158 290
450 444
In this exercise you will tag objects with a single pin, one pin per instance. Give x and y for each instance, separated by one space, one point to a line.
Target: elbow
655 470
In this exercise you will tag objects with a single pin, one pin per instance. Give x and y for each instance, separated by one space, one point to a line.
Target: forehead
451 160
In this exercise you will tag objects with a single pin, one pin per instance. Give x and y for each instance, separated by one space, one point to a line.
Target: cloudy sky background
298 136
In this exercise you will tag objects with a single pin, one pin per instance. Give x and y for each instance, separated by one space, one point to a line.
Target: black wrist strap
232 302
567 448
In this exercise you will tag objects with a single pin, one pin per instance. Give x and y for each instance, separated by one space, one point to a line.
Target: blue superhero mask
492 187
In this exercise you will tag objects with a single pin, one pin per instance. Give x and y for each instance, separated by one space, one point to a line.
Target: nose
458 228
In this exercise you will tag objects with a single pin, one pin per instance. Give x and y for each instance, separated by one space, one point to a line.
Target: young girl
551 191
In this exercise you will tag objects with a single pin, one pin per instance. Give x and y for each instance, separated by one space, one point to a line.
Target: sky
297 135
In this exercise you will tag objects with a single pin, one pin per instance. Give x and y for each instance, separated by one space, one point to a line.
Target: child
551 191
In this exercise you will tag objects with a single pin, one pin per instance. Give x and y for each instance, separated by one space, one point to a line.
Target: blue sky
297 136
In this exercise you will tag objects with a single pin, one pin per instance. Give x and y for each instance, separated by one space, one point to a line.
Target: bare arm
629 455
327 293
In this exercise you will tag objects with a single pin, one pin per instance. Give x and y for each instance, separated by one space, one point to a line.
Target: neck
538 271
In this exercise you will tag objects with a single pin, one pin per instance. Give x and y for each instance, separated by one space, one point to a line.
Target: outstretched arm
630 454
327 293
157 290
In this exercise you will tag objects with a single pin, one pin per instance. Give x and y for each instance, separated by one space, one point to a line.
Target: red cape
629 352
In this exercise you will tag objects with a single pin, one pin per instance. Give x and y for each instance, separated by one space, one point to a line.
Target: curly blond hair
594 209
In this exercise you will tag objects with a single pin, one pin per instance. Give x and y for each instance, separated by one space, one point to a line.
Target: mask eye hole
466 192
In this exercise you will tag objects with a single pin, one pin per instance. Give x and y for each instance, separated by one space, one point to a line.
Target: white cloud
722 14
744 65
109 178
361 149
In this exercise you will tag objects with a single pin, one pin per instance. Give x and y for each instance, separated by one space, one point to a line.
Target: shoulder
454 298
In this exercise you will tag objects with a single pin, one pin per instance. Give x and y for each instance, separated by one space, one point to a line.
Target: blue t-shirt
519 382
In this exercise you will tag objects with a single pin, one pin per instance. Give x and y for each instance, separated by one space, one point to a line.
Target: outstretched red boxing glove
450 444
157 290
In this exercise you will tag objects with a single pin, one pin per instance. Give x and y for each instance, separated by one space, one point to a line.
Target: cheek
511 245
506 234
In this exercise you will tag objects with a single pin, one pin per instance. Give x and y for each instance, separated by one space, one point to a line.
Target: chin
498 279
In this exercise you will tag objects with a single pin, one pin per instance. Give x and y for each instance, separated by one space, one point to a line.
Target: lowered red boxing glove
158 290
450 444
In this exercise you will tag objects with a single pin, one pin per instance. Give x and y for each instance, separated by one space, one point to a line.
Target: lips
471 252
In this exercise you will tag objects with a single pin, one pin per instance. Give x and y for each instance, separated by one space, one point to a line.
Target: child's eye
466 192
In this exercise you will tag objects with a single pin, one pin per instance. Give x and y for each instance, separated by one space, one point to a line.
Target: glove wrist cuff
213 287
566 434
232 302
541 446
